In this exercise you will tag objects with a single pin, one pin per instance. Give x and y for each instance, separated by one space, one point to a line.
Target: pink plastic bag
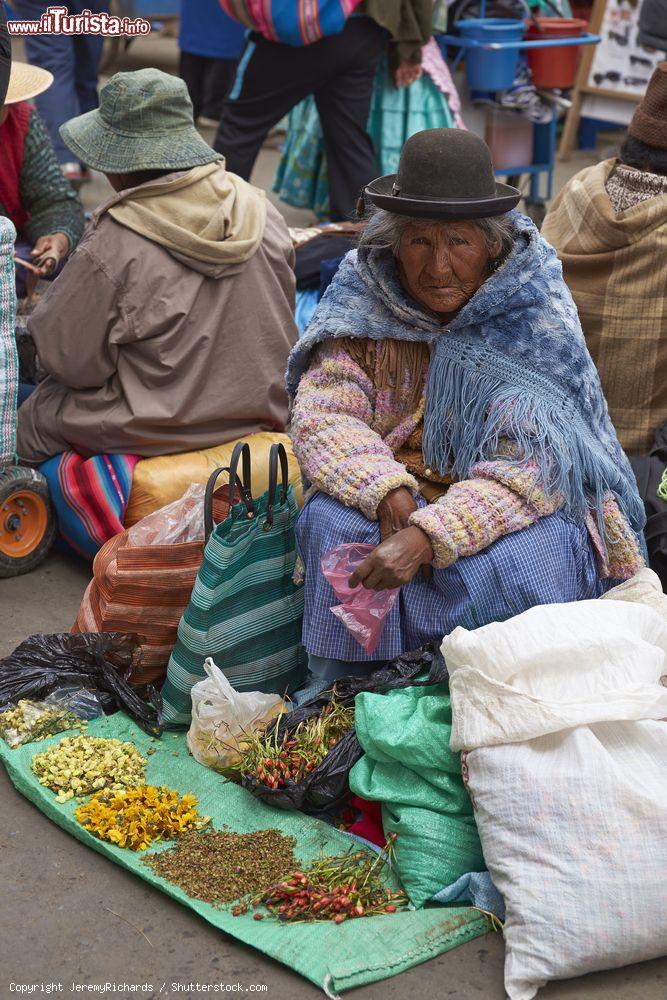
363 612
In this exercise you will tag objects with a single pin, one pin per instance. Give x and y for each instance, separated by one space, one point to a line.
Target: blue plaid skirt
551 562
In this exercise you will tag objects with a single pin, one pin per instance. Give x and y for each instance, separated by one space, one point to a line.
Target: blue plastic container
150 9
487 69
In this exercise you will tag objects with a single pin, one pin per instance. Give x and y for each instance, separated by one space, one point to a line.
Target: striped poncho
9 365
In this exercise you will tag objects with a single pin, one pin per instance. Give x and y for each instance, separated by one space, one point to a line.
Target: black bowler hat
444 173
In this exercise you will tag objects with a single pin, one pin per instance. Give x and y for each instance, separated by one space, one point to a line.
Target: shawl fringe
543 424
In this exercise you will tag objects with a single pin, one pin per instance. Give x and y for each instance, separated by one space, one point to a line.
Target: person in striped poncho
34 195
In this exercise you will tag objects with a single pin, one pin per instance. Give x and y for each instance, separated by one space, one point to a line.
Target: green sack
409 768
245 611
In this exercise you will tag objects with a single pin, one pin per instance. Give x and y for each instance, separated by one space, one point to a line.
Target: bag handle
277 454
209 524
215 674
234 481
241 451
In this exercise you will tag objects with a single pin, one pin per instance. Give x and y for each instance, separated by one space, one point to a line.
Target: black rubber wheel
27 520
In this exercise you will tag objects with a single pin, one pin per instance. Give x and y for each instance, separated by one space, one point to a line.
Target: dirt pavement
70 916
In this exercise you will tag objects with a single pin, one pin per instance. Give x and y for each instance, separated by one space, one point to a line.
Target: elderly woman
445 409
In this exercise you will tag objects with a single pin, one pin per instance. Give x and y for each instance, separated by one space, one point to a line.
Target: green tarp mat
334 957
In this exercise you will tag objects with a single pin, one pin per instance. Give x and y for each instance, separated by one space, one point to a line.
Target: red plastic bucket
554 67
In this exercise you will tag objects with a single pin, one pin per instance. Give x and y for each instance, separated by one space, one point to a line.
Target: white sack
644 588
554 667
566 761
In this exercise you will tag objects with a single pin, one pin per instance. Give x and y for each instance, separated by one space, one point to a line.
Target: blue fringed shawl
513 363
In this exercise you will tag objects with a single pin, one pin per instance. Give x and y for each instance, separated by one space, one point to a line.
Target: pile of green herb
273 763
337 888
223 867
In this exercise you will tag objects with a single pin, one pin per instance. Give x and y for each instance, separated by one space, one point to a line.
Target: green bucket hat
144 122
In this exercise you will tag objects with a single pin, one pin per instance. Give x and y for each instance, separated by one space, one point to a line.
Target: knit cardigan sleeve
497 499
501 497
50 199
333 439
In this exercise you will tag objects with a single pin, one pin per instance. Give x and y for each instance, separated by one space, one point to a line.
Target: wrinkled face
442 264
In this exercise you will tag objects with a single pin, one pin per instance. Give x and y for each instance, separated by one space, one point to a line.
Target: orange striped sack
145 588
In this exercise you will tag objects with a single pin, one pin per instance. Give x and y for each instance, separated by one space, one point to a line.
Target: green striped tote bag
245 611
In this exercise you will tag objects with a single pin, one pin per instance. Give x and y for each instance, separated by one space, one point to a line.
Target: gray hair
385 229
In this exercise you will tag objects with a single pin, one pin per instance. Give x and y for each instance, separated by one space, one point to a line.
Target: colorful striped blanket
90 497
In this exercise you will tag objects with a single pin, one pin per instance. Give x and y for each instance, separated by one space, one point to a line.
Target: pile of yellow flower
137 817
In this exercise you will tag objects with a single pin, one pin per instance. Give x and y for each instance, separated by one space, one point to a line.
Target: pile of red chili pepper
335 888
272 762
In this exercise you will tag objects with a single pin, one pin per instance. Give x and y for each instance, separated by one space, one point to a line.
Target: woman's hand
394 512
48 251
395 561
406 74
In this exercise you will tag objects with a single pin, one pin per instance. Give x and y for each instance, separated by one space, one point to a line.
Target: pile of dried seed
223 867
79 765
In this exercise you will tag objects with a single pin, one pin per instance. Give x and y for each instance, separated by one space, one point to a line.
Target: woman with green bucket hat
170 327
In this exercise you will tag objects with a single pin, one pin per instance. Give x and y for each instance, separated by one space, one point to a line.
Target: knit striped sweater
51 202
356 429
9 365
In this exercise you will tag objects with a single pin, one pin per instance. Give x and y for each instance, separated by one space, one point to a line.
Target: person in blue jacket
210 44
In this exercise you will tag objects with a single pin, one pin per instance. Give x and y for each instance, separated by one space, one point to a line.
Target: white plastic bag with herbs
221 716
558 712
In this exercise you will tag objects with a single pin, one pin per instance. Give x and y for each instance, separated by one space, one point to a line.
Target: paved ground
70 916
57 924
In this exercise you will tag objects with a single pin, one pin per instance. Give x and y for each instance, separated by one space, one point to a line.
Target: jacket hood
582 221
206 217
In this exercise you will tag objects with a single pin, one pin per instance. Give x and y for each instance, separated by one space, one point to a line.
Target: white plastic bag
557 710
221 715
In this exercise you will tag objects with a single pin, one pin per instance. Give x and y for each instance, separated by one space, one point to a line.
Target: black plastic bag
648 470
400 673
327 787
98 661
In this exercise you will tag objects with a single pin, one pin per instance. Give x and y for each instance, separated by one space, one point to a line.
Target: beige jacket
151 351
